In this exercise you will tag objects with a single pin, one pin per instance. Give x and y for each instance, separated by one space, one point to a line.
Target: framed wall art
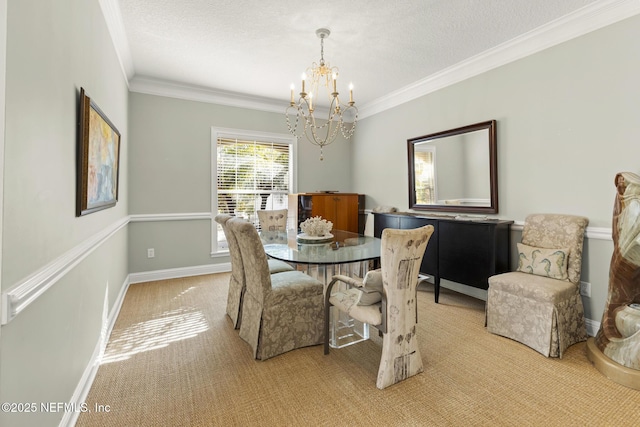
98 159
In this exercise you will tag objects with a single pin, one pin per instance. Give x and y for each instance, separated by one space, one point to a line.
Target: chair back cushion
273 220
254 259
552 231
371 290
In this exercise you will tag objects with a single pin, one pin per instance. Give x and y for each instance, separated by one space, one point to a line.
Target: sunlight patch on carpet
170 326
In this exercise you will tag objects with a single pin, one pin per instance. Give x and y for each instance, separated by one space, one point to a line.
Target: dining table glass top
342 247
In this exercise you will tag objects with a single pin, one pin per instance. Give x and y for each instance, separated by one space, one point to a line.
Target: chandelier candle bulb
292 99
304 77
350 92
335 78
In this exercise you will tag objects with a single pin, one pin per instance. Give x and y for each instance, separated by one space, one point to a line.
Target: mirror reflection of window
425 172
463 178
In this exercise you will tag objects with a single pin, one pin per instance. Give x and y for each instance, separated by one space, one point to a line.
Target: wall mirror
455 170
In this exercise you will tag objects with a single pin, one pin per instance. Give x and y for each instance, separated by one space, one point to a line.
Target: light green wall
54 47
567 121
170 172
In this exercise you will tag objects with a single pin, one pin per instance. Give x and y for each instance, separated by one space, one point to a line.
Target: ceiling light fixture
340 117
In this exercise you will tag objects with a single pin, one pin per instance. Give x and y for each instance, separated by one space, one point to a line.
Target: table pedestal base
343 330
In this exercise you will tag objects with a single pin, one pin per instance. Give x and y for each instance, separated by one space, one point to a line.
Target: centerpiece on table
315 230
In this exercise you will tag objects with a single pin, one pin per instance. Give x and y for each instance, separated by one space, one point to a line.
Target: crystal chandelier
340 117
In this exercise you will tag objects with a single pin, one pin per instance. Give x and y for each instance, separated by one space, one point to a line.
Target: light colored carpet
174 359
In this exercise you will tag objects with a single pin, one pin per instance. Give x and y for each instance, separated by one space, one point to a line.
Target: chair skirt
547 325
288 318
234 301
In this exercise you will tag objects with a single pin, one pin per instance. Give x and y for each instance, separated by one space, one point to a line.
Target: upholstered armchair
539 305
237 281
280 312
273 220
386 299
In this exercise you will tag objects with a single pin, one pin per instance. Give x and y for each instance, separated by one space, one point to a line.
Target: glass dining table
343 252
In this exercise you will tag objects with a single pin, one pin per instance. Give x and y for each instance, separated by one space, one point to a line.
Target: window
425 174
251 171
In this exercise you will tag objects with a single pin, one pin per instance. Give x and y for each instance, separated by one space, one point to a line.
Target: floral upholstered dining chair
237 282
539 305
280 312
273 220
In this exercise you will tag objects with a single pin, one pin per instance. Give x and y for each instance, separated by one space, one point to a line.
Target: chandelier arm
330 135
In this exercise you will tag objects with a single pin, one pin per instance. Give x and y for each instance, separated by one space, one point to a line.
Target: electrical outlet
585 289
151 253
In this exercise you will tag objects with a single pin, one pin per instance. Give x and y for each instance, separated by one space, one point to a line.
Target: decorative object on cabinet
466 251
395 314
384 209
533 308
98 159
455 170
340 116
615 350
344 210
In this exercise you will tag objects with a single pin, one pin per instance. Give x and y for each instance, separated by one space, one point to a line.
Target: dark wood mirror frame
490 126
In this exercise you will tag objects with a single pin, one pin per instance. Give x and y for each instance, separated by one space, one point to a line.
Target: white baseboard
592 327
82 389
174 273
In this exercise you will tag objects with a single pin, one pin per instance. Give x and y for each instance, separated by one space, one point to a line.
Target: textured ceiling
257 47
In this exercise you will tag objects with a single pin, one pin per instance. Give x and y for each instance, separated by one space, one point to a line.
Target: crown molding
115 26
585 20
152 86
592 17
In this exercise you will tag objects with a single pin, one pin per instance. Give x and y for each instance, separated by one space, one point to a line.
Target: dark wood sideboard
466 251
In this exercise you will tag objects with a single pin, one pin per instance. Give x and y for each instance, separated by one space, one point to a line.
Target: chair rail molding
597 233
18 297
187 216
23 293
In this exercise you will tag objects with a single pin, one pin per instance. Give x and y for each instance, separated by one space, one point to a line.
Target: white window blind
252 175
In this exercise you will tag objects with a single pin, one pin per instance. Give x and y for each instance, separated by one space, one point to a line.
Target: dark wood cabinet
463 251
344 210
